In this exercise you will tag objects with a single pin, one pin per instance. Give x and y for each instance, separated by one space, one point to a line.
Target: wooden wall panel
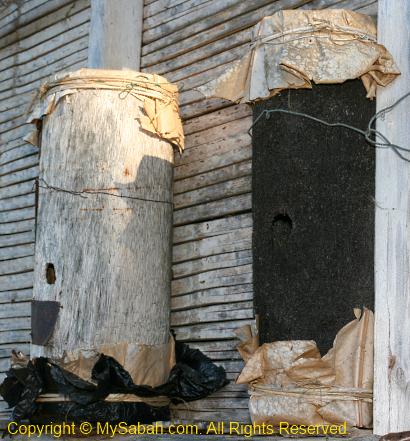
37 38
190 42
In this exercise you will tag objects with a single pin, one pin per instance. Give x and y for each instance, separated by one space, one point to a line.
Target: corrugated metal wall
190 42
37 38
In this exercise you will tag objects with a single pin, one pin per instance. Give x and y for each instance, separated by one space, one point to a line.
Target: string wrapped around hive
293 48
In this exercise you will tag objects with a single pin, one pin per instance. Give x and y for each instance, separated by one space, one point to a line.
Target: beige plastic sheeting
158 97
290 381
290 49
147 365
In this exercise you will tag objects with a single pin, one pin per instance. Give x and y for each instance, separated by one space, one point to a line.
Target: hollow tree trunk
103 245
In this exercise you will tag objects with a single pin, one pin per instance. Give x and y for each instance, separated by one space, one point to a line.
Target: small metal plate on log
44 315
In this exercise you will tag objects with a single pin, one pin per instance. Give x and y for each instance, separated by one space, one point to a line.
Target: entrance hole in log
282 226
50 274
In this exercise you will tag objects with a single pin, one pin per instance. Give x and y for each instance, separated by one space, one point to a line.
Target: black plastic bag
193 377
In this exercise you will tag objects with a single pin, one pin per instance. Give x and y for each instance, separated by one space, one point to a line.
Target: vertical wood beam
392 241
115 34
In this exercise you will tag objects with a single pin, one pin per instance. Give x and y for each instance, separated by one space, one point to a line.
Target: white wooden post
392 242
115 34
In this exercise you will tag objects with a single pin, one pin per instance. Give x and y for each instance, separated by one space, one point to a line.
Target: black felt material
313 208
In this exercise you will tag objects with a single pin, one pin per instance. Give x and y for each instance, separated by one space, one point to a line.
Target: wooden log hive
104 223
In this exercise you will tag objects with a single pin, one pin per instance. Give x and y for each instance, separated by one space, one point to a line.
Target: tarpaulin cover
193 377
292 48
290 381
157 96
147 364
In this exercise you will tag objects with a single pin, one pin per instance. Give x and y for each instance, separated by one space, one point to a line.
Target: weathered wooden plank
225 260
11 145
19 176
18 265
224 19
168 13
12 310
13 121
15 323
223 355
165 61
220 132
8 20
42 48
370 9
16 281
392 307
17 153
216 29
236 240
60 65
212 228
16 190
210 331
153 7
17 202
339 4
214 403
55 59
16 251
202 71
17 227
202 107
226 294
215 346
211 210
226 415
232 390
20 336
31 89
58 16
34 9
14 134
22 295
19 164
17 215
12 108
220 142
54 34
351 4
195 178
212 279
6 9
195 17
16 239
215 192
214 313
218 118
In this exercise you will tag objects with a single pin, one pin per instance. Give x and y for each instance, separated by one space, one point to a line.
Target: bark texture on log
103 224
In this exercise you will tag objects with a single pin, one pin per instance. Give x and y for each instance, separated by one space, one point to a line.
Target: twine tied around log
158 98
